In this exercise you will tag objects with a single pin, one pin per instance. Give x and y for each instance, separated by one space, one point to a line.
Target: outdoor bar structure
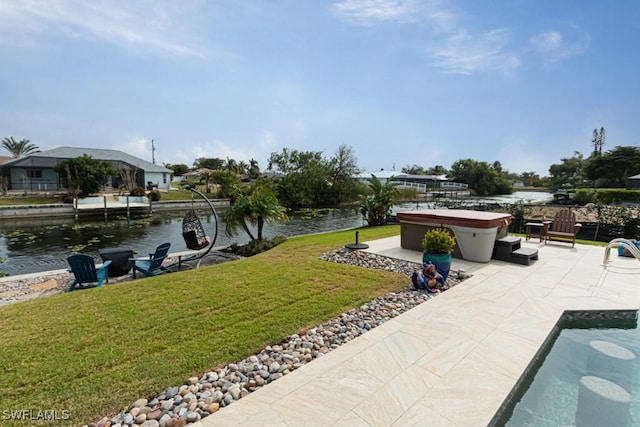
475 231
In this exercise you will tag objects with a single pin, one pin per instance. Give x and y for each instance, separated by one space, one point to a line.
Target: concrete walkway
452 360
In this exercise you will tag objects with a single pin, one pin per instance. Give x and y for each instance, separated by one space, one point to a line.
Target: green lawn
93 352
29 200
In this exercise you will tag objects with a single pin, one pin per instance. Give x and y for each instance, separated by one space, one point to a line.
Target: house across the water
35 172
422 183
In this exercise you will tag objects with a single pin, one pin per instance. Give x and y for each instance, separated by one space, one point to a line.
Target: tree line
600 170
310 179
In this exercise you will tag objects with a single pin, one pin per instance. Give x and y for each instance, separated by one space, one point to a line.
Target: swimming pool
587 374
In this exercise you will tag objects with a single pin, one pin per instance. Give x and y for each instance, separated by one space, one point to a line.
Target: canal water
35 245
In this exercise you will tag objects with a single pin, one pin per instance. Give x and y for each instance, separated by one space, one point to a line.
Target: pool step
509 249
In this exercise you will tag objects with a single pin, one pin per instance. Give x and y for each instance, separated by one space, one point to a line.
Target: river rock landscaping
198 397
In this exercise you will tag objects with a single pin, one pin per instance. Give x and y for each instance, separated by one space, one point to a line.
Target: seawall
66 210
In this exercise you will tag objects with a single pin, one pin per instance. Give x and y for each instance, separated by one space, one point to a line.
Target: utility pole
153 153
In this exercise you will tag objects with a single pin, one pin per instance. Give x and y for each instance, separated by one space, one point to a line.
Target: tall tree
306 178
344 168
528 178
178 169
254 169
569 173
243 167
208 163
482 178
19 148
84 174
612 168
598 141
436 170
413 170
231 165
310 180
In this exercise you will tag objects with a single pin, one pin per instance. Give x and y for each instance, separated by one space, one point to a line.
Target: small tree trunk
247 230
260 226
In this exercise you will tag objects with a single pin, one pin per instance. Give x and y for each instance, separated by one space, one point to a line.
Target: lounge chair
152 266
86 274
563 228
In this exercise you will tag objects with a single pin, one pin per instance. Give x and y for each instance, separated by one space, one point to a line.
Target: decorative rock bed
200 396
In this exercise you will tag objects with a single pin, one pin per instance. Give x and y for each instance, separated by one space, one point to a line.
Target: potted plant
438 244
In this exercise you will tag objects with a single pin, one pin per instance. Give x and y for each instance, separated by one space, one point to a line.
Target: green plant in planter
438 241
438 245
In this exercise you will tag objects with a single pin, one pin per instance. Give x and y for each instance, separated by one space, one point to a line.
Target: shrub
154 195
583 196
438 241
138 191
613 195
519 212
255 247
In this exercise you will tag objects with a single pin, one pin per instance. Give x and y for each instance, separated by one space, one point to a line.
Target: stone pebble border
199 397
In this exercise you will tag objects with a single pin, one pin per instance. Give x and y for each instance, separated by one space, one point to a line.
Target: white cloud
555 46
260 151
267 140
452 47
546 42
151 26
136 146
368 12
371 12
462 53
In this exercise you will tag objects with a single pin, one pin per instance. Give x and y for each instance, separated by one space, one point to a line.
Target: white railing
422 188
440 186
626 244
453 185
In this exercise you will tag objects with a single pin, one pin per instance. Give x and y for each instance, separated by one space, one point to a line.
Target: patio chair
563 228
86 274
152 266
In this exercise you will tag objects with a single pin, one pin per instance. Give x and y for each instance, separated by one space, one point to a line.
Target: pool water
587 375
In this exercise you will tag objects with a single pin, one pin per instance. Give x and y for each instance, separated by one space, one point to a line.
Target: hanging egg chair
193 232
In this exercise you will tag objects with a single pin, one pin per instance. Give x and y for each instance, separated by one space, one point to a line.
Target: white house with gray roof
35 171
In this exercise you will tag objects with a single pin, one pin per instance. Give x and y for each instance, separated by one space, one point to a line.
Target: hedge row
605 196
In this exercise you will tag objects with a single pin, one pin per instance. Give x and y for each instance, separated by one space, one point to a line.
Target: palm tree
258 206
254 170
243 167
231 165
206 176
377 206
19 148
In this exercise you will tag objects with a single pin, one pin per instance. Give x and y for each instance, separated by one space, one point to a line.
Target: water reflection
35 245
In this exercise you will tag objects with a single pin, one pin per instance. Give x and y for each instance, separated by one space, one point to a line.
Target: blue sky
523 82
